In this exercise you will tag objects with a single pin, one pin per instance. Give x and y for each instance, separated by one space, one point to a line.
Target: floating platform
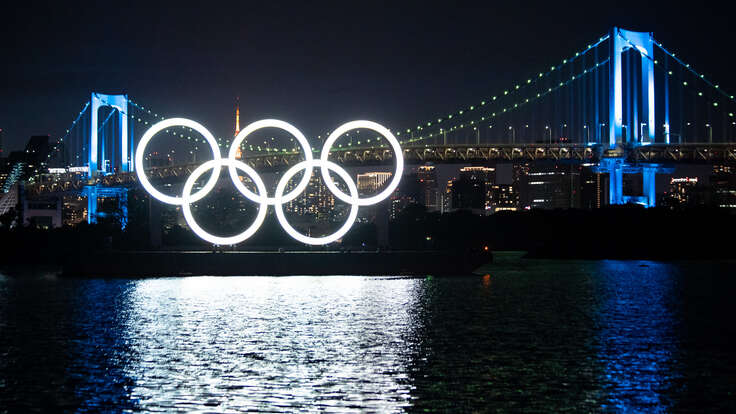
253 263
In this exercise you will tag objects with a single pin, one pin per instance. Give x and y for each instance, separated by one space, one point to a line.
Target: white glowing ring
355 200
271 123
324 165
188 199
168 123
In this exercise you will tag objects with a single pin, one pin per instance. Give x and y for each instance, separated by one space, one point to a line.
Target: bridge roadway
418 154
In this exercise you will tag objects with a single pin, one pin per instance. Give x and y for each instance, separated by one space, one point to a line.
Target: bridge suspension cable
518 87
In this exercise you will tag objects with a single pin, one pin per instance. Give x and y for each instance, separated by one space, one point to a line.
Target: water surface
535 336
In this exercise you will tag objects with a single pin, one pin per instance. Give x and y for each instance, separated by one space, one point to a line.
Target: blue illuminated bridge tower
110 151
633 132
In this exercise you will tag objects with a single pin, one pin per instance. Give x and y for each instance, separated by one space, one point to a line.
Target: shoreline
273 263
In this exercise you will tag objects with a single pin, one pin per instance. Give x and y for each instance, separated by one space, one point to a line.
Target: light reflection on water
638 334
254 343
538 337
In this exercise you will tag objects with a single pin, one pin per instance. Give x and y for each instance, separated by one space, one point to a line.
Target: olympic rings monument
156 263
261 197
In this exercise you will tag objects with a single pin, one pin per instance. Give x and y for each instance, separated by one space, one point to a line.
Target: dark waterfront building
446 197
593 188
553 186
430 197
408 192
723 186
472 189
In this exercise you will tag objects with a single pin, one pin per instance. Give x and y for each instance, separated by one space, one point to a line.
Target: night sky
313 64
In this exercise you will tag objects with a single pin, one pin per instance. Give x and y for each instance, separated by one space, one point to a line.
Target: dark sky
313 64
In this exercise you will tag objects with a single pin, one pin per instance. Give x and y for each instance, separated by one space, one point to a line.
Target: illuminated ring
157 127
187 198
355 200
271 123
324 165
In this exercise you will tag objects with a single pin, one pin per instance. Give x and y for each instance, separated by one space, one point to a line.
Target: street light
513 134
587 133
626 130
601 128
710 133
641 131
550 133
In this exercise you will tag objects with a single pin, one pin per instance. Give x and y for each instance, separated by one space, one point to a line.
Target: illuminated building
74 210
553 186
427 176
684 192
723 186
447 197
372 182
316 201
593 188
502 197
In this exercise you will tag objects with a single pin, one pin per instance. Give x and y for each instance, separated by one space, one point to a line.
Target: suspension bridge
623 102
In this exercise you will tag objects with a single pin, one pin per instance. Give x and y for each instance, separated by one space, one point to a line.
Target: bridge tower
638 132
620 41
120 104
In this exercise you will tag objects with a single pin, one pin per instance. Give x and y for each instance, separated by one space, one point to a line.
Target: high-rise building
723 186
317 200
503 197
593 188
429 194
553 186
372 183
447 197
74 210
407 193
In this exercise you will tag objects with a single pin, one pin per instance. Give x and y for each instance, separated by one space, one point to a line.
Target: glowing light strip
699 76
517 88
140 152
271 123
187 199
399 163
324 165
509 109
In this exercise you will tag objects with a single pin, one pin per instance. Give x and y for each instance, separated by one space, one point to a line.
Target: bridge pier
648 175
94 192
616 167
